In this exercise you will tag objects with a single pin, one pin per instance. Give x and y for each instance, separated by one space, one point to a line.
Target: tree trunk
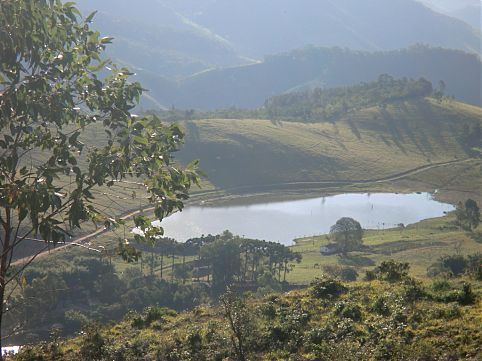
4 264
286 270
162 265
172 269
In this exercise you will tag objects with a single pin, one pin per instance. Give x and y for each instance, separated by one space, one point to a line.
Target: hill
368 143
466 10
282 25
152 38
248 86
397 318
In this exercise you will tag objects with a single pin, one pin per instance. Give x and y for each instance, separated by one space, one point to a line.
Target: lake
284 221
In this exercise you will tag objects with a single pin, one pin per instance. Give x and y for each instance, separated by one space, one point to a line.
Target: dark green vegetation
311 67
72 289
390 317
51 90
468 214
347 233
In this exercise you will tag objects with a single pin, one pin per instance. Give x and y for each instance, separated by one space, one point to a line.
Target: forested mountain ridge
249 86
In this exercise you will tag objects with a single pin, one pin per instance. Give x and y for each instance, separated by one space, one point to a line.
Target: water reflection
284 221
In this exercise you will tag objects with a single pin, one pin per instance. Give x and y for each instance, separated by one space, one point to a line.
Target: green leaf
141 140
89 18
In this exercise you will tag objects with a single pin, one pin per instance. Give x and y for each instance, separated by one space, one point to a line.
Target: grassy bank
420 244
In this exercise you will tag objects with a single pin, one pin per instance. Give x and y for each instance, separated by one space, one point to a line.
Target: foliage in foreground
53 86
398 319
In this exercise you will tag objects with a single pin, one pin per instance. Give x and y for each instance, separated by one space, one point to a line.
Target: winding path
81 240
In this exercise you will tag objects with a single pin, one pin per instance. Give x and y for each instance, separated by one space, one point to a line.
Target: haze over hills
152 38
205 54
271 26
249 86
469 11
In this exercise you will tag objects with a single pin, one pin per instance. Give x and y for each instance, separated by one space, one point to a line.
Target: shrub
389 271
456 264
92 346
412 290
348 274
380 306
327 288
348 310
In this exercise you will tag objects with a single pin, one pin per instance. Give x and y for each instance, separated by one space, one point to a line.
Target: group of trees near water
220 260
169 274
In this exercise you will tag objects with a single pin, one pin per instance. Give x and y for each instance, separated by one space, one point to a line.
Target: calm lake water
287 220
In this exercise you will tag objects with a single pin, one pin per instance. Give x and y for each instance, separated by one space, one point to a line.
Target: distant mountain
249 86
150 37
469 11
260 27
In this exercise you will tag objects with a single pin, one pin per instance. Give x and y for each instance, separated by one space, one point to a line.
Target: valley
242 180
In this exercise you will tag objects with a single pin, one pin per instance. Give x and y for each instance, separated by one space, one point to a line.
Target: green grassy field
420 244
367 144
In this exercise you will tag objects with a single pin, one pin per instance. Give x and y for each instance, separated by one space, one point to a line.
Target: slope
369 143
153 38
466 10
282 25
377 320
249 86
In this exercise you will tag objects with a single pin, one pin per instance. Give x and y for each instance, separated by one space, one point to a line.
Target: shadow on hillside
391 124
356 261
353 128
422 142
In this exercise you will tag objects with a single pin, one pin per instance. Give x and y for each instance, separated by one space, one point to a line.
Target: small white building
10 350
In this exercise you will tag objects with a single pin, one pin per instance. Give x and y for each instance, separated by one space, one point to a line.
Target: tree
54 86
468 214
240 324
347 233
224 257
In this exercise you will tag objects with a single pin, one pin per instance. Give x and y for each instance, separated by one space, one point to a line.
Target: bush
380 306
348 310
412 290
151 316
92 346
327 288
465 296
389 271
346 274
455 264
